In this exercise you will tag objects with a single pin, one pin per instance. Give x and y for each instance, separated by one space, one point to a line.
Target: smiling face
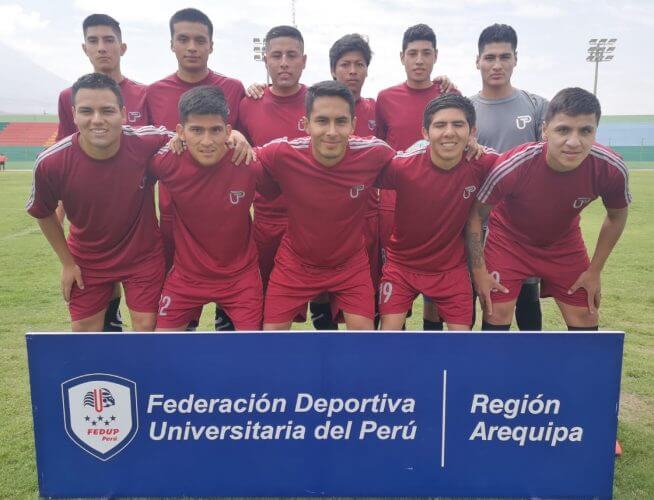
352 70
205 137
496 63
285 61
192 45
103 48
448 136
99 118
418 59
330 126
569 140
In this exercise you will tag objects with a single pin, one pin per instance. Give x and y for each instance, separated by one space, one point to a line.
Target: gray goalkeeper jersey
503 124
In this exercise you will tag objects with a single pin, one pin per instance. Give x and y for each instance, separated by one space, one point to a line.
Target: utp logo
100 413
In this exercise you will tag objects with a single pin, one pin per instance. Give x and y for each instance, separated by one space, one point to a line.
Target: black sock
432 326
112 320
321 316
582 328
488 327
223 322
527 308
192 325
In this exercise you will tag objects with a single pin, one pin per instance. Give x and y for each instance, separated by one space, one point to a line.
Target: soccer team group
359 205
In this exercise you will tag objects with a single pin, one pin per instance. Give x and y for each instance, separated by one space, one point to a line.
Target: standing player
539 190
100 175
212 196
426 254
103 45
191 35
278 113
324 177
506 118
399 121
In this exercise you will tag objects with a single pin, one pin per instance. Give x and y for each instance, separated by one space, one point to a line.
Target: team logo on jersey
355 190
100 413
133 116
301 126
522 121
235 196
467 191
372 125
580 202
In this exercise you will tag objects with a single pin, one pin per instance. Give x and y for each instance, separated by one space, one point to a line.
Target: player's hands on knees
485 283
70 274
474 149
590 281
255 91
242 149
176 145
446 84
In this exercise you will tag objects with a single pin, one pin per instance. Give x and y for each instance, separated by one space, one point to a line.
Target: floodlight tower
600 50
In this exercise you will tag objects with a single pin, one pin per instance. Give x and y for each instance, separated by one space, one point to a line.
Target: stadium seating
23 141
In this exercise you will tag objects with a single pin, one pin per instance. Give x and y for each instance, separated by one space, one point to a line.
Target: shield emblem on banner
100 413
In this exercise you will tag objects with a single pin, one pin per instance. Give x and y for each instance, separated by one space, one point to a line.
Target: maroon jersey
163 98
364 111
540 206
432 209
269 118
133 96
110 203
399 113
335 196
213 235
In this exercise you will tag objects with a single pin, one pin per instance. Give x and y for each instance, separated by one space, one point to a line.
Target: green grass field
30 301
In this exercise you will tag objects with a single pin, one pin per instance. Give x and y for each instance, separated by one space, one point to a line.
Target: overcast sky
552 39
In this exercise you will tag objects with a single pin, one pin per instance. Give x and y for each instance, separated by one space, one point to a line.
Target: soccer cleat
618 449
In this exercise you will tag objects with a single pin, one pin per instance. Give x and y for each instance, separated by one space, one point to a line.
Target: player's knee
143 322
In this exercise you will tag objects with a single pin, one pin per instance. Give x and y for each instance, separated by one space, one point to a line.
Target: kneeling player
435 188
325 177
534 231
100 175
215 255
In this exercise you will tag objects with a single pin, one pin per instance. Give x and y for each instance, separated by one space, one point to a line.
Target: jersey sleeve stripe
147 130
59 146
506 168
616 162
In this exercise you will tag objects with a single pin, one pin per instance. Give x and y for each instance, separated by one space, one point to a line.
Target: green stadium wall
21 153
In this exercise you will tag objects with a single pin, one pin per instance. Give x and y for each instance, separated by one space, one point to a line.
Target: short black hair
574 101
329 88
447 101
418 32
280 31
349 43
192 16
498 33
97 81
203 100
102 20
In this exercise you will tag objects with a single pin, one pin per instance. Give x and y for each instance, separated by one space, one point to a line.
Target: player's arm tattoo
475 236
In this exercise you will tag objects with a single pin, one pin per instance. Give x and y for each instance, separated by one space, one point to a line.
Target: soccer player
399 121
100 175
426 254
325 176
103 45
212 197
191 40
538 191
278 113
506 118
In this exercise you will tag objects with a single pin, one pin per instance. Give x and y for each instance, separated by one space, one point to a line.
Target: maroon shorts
386 224
267 236
371 237
293 284
451 291
558 266
240 297
142 286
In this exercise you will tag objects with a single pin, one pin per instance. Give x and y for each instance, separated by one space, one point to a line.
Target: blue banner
325 414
